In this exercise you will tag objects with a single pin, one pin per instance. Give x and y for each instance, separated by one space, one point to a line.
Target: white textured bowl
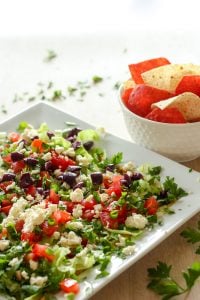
180 142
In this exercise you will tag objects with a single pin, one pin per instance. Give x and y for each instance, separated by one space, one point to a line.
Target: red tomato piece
6 209
88 204
189 83
30 237
88 215
126 94
69 285
14 137
5 202
61 216
62 162
3 233
151 204
143 66
7 159
18 166
19 225
69 205
115 186
167 115
48 229
37 145
54 197
143 97
41 251
4 185
107 221
31 190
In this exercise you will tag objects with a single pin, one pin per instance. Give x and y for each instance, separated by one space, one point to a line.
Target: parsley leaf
192 235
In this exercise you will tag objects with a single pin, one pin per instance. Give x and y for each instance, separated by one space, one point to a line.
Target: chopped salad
66 207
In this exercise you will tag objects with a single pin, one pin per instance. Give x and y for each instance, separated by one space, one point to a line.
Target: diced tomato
126 94
189 83
54 197
88 204
41 251
31 190
3 185
14 137
151 204
62 162
7 159
69 205
19 225
88 214
107 221
143 66
5 202
143 97
61 216
30 237
69 285
48 229
115 186
37 145
18 166
6 209
167 115
121 211
3 233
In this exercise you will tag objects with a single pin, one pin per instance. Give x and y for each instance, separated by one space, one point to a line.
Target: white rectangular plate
184 209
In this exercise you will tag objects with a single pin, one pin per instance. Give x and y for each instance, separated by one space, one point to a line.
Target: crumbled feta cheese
56 235
15 211
20 147
33 264
77 211
76 195
11 186
25 275
4 244
128 250
29 197
122 241
136 221
104 197
57 172
70 152
97 210
47 156
75 225
83 161
29 133
33 216
59 149
14 261
129 166
38 280
71 239
51 209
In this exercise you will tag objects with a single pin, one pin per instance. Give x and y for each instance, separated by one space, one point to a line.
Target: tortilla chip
167 77
129 84
187 103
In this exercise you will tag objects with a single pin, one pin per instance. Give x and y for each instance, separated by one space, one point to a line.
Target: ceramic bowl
180 142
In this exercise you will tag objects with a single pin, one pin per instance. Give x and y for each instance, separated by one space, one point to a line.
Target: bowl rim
121 88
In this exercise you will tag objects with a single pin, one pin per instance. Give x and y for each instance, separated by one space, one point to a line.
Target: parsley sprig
160 278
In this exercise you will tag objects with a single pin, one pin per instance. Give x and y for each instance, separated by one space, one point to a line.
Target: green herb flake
97 79
51 55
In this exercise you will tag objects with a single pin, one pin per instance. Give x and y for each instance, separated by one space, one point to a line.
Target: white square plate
184 209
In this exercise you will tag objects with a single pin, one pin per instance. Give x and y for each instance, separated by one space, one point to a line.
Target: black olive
97 178
8 177
16 156
88 145
25 180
